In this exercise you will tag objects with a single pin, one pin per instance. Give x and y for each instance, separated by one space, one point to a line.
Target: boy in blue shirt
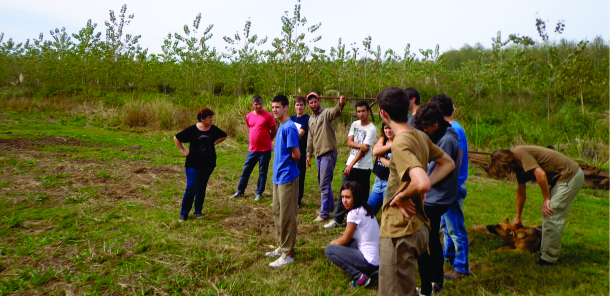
285 183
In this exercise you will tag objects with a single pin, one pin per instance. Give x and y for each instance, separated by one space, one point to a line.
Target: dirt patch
250 220
21 144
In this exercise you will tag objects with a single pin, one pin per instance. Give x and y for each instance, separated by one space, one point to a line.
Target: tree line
513 73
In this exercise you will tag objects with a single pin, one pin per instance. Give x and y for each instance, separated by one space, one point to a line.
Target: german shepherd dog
517 237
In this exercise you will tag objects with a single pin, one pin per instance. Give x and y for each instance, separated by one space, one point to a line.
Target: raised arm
336 111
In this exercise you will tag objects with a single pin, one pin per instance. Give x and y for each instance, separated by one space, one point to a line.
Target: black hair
385 138
359 198
428 114
413 93
257 98
394 101
280 99
363 103
445 103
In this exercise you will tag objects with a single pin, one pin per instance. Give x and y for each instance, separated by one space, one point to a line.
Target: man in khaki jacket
322 143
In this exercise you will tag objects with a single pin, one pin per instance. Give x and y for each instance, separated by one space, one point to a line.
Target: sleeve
309 143
435 152
183 136
404 160
270 120
371 136
353 217
335 111
248 120
218 133
528 162
352 127
462 139
292 137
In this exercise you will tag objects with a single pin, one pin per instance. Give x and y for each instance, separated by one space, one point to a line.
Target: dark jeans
325 164
196 183
350 259
262 157
430 265
302 166
363 178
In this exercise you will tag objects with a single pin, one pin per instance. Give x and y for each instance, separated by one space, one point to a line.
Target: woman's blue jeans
377 193
196 184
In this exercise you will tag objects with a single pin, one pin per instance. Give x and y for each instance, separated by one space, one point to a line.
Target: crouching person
357 250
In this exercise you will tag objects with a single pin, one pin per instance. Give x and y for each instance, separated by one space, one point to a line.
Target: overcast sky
393 24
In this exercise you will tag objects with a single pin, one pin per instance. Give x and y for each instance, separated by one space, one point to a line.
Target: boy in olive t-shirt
404 226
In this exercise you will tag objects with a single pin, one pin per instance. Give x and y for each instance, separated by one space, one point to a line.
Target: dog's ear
507 222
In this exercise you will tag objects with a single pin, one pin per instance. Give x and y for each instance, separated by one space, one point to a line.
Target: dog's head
505 230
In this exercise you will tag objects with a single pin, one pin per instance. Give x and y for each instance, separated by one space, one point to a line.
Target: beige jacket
321 137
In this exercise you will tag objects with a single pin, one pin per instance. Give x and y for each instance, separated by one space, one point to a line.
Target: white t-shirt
362 134
366 234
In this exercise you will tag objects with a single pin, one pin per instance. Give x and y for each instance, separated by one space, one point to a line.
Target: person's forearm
273 132
440 172
179 145
351 143
520 203
385 161
358 156
220 141
380 150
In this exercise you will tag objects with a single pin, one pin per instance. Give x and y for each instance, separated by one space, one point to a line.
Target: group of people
420 171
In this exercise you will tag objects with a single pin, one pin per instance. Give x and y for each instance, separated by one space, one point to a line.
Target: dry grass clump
158 114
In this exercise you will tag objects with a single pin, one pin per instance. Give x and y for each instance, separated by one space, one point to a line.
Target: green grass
93 210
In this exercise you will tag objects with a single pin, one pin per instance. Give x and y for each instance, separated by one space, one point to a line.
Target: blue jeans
196 184
325 164
350 259
455 241
377 194
262 157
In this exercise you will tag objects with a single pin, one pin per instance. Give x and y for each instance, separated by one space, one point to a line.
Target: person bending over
357 250
559 178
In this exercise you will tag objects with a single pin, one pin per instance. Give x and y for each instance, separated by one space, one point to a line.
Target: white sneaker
275 253
283 260
332 224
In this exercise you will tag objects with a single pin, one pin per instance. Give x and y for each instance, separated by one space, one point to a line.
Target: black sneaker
183 218
200 216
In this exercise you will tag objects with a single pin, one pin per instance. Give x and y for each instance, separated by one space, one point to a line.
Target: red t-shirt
260 135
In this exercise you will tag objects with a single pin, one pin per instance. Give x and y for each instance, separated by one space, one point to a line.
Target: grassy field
91 209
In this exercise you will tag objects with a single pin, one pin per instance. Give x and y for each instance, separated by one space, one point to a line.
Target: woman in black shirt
200 160
380 169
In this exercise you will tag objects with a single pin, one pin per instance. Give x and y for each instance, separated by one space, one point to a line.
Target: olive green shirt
558 167
321 137
410 149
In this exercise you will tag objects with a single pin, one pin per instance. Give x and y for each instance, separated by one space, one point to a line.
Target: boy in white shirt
361 138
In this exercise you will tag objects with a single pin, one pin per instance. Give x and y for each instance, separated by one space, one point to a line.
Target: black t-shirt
304 122
381 171
202 153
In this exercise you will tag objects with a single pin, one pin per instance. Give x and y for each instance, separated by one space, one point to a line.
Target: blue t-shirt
464 146
284 167
304 122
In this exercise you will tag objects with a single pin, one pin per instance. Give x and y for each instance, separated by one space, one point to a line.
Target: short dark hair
280 99
363 103
445 103
204 113
394 101
428 114
358 195
300 99
413 93
257 98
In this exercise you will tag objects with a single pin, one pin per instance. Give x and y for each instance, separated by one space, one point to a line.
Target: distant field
87 209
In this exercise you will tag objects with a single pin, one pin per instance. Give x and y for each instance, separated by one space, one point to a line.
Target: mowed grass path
87 209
